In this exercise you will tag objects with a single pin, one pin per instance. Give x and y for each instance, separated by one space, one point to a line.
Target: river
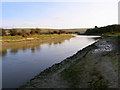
21 65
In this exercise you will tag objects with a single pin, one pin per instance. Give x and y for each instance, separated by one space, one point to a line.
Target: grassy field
11 37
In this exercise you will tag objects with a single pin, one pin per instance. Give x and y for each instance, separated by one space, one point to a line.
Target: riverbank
95 66
16 39
12 43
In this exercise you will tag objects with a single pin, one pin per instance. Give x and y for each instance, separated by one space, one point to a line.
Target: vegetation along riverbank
12 42
96 66
7 40
10 37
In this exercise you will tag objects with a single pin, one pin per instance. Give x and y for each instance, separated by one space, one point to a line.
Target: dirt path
93 67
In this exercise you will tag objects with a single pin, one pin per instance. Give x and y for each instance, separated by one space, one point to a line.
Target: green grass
109 34
49 36
10 38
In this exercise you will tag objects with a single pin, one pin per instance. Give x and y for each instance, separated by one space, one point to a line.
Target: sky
83 14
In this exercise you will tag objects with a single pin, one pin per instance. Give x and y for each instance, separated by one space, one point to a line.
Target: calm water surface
20 65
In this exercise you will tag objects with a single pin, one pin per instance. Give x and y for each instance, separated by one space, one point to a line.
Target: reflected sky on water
23 63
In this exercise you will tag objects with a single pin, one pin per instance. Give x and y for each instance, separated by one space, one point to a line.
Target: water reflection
50 44
34 46
23 48
38 48
4 53
23 62
33 49
14 51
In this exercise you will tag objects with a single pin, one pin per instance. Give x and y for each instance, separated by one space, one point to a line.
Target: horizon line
53 28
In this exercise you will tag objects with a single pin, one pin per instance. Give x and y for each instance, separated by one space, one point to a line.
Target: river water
20 65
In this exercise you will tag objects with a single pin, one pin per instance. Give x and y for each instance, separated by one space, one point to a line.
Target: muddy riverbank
95 66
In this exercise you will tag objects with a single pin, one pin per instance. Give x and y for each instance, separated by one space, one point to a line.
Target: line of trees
25 33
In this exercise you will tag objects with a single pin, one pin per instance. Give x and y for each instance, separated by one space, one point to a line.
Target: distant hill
103 30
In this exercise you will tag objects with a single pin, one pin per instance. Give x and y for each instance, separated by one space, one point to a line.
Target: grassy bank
110 34
18 42
32 37
96 66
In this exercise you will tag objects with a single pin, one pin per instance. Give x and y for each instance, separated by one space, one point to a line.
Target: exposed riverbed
22 64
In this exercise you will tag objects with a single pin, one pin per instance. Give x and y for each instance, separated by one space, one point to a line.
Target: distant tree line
25 33
107 29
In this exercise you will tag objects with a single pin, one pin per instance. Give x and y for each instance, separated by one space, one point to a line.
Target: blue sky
58 14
